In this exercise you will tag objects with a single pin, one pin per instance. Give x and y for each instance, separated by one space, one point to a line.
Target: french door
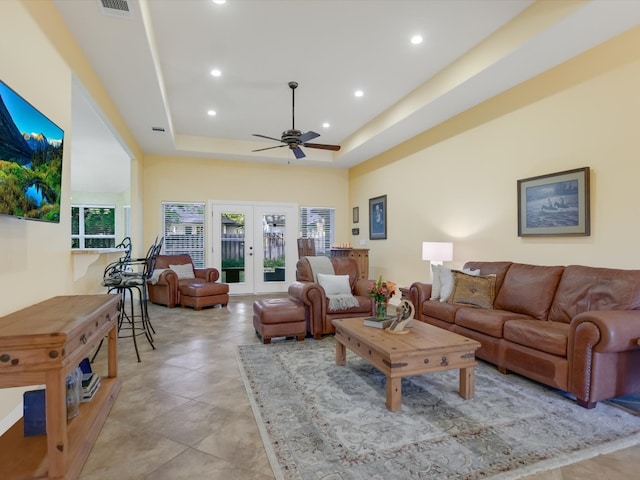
254 245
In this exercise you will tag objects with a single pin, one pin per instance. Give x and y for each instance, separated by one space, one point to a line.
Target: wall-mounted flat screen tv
30 160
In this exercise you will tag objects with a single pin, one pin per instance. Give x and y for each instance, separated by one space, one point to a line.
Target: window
318 223
183 227
93 226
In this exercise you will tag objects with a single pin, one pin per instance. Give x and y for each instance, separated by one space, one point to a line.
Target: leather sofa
164 289
574 328
313 295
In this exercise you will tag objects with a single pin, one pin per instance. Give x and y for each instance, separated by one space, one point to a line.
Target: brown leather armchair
313 296
164 289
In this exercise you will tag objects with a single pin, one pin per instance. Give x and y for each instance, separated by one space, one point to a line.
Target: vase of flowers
381 291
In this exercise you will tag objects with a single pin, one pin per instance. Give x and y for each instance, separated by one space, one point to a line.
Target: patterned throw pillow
473 290
447 281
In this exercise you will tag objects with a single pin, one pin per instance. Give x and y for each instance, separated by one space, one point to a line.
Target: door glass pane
232 234
273 235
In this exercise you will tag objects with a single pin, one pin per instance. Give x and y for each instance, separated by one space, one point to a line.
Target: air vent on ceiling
157 129
115 8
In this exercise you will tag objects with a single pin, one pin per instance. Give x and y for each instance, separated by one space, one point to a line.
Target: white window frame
82 236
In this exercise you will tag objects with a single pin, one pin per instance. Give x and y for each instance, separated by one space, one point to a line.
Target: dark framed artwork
356 214
554 204
378 218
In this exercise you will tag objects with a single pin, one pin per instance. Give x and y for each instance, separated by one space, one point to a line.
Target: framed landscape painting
378 218
554 204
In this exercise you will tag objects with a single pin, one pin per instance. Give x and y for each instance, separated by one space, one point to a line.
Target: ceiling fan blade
268 148
297 151
264 136
322 146
308 136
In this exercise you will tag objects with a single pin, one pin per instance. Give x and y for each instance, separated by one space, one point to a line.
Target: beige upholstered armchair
314 297
165 283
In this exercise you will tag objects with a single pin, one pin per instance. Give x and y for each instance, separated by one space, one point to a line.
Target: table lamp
437 252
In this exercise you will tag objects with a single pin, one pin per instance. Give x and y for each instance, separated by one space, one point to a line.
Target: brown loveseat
574 328
313 296
164 287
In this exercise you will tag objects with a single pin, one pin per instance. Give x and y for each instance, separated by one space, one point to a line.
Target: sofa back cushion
529 289
589 288
163 261
341 266
499 269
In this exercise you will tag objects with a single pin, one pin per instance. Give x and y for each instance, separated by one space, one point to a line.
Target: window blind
318 223
183 229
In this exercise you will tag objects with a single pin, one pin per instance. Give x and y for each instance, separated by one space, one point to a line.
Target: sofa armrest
168 277
314 298
165 289
618 330
208 274
420 293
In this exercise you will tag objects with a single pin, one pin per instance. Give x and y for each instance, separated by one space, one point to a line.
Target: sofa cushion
589 288
488 268
183 271
473 290
334 284
489 322
442 311
529 289
542 335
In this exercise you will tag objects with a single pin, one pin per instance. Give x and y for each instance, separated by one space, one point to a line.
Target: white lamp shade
437 251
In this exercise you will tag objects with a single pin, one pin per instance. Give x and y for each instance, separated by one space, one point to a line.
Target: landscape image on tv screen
30 160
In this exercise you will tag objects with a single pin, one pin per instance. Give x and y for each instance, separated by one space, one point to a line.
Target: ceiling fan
294 139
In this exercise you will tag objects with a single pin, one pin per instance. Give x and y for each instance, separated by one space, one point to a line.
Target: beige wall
170 179
35 256
37 57
458 182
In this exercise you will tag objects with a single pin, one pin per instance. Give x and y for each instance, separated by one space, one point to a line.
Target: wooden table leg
467 382
341 353
56 415
394 393
112 352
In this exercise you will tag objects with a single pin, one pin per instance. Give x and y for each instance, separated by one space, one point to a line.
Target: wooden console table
42 344
360 255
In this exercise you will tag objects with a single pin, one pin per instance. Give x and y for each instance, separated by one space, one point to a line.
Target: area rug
322 421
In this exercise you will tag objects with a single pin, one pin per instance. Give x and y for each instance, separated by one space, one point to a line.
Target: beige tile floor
183 411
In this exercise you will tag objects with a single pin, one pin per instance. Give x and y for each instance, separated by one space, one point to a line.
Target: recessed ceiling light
326 125
215 72
211 113
416 39
219 2
358 93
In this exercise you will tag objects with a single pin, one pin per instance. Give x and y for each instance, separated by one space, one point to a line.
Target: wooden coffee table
424 349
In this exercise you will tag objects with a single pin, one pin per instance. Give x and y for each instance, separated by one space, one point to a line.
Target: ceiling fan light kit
294 139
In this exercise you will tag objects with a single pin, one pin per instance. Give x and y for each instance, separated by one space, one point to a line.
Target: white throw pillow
435 282
334 284
183 271
447 282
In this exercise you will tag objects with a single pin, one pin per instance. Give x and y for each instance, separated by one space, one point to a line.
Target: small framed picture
378 218
356 214
554 204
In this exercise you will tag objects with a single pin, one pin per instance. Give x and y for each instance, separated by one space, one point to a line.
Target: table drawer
92 331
